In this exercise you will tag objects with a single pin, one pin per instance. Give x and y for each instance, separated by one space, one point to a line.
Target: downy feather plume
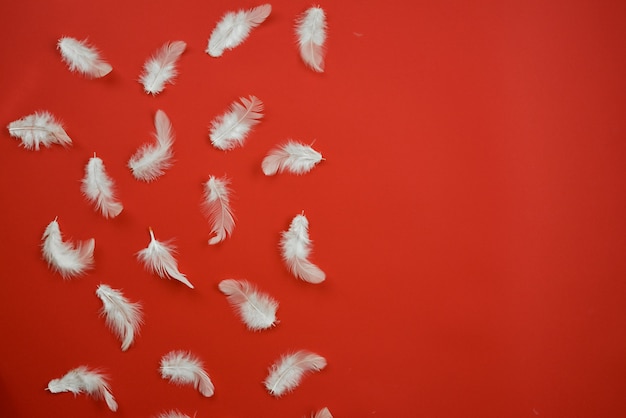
97 187
122 316
323 413
173 414
82 57
158 258
161 67
234 28
66 258
286 373
151 160
294 157
311 34
256 309
40 128
183 368
84 380
216 205
296 247
231 129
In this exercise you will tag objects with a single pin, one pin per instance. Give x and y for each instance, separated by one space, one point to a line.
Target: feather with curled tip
161 67
286 373
234 28
39 128
311 34
151 160
66 258
323 413
231 129
256 309
172 414
183 368
293 156
97 187
158 258
82 57
122 316
296 247
216 205
84 380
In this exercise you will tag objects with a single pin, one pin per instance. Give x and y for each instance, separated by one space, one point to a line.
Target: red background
469 214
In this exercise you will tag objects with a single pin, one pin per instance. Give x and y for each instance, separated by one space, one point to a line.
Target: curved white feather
160 68
39 128
97 187
216 205
122 316
84 380
323 413
172 414
231 129
296 247
234 28
294 157
151 160
311 34
64 257
183 368
82 57
256 309
286 373
158 258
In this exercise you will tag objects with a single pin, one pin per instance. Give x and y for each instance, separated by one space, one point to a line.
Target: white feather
234 28
216 205
173 414
122 316
231 129
151 160
296 247
286 373
82 57
183 368
97 187
68 259
158 258
256 309
293 156
311 34
323 413
40 128
161 67
84 380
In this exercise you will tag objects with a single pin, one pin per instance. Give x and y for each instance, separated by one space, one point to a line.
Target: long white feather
295 157
231 128
160 68
83 58
84 380
183 368
311 34
64 257
296 247
98 188
39 128
122 316
216 205
234 28
158 258
151 160
287 372
173 414
323 413
256 309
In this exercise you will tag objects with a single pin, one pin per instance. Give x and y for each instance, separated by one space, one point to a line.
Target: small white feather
98 188
256 309
287 372
311 34
122 316
161 67
158 258
231 129
172 414
323 413
234 28
39 128
294 157
183 368
83 58
84 380
216 206
151 160
296 247
64 257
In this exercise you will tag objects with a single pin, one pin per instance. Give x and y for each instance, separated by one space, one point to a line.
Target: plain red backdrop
469 213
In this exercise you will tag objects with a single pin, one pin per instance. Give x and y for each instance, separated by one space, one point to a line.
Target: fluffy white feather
151 160
158 258
122 316
66 258
234 28
256 309
323 413
173 414
287 372
40 128
98 188
160 68
82 57
216 205
296 247
293 156
84 380
183 368
311 34
231 129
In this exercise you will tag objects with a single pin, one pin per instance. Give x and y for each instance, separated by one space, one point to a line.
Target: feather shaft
231 129
256 309
122 316
98 188
83 58
216 206
39 128
183 368
287 372
234 28
151 160
158 258
84 380
160 69
64 257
